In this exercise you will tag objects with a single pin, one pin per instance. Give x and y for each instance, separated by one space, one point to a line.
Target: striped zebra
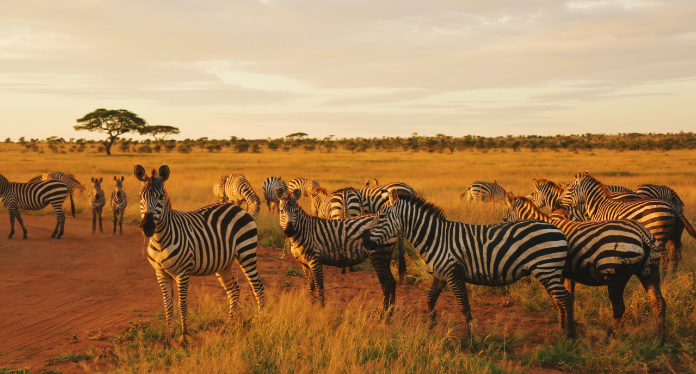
615 189
305 185
375 196
340 204
97 200
33 196
659 217
484 191
119 202
492 255
270 185
664 193
316 242
69 180
604 253
237 189
197 243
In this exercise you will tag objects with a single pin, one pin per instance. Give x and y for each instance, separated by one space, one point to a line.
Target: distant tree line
414 143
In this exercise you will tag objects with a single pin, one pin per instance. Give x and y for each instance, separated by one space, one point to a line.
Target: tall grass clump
294 336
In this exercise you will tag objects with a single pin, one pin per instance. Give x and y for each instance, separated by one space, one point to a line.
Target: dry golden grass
276 341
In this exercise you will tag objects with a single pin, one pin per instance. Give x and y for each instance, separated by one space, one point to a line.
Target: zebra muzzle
289 230
148 225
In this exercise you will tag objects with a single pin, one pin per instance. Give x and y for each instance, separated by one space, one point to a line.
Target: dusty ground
56 296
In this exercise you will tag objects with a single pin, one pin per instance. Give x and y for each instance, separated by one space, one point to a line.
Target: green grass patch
71 357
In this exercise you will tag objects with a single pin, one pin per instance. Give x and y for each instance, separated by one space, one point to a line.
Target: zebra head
96 182
386 225
287 209
153 197
219 189
573 195
118 183
514 206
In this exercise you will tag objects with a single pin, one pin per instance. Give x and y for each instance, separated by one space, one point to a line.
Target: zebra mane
602 187
543 181
422 204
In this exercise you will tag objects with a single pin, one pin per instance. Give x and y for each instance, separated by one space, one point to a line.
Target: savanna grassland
291 335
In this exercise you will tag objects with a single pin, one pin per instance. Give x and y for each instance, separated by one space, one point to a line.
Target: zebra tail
688 226
72 205
402 260
649 239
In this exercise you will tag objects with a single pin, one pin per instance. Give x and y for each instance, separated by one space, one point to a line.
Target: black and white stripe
69 180
605 253
616 189
340 204
119 202
492 255
97 200
34 196
197 243
270 186
375 196
484 191
316 242
659 217
305 185
664 193
237 189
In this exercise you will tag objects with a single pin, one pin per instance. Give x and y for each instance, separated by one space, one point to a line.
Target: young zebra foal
605 253
197 243
118 203
33 196
316 242
97 200
491 255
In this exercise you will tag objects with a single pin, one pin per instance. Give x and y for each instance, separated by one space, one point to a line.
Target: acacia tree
160 132
112 122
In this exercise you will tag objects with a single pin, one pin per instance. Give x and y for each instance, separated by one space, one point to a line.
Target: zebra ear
279 193
510 198
92 179
115 178
101 179
140 173
535 183
122 178
393 196
164 173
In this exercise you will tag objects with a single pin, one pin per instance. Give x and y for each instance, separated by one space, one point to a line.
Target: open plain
91 303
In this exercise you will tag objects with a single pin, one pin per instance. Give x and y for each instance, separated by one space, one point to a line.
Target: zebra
97 200
659 217
340 204
375 196
34 196
660 192
615 189
305 185
69 180
197 243
604 253
118 203
316 242
270 185
484 191
237 189
492 255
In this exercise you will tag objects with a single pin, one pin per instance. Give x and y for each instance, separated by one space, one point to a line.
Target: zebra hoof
24 237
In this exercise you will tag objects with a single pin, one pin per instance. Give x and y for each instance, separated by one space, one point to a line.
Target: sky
350 68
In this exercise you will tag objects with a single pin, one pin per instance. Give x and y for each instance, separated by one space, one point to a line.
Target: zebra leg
458 286
381 262
12 219
318 277
120 222
94 220
560 296
60 220
247 261
182 285
309 280
569 285
651 284
99 211
229 283
115 220
165 282
675 246
433 293
616 296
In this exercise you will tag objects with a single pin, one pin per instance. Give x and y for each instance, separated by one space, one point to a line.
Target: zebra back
484 191
661 192
375 196
615 189
238 190
340 204
33 196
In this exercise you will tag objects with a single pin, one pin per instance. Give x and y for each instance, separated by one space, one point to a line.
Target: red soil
61 296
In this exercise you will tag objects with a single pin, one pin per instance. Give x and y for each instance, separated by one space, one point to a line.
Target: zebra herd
593 236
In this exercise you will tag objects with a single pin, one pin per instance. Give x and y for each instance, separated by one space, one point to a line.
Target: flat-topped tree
112 122
160 132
